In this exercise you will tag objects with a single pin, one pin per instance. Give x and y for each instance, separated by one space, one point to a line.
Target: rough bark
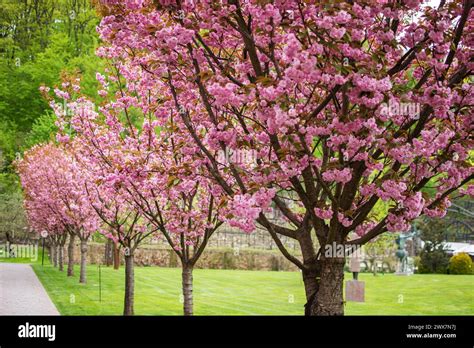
311 271
328 299
61 258
70 255
310 281
116 256
187 275
129 286
82 277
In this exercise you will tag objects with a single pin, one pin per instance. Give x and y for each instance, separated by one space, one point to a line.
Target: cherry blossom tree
142 174
42 210
53 232
124 224
185 206
55 199
344 104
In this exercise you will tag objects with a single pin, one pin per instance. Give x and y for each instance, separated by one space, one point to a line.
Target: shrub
417 261
173 259
228 260
460 264
275 263
433 260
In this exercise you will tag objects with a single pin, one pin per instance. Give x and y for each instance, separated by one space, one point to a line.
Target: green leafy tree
39 39
433 257
43 129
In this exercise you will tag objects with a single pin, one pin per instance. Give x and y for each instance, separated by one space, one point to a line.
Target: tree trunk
329 299
61 257
311 271
82 277
129 286
109 250
70 255
51 252
187 274
116 256
54 255
310 287
50 248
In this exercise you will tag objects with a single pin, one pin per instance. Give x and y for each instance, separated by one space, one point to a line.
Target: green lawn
36 259
235 292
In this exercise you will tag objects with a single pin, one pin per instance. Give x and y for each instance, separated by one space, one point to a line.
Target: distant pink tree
48 226
55 197
344 105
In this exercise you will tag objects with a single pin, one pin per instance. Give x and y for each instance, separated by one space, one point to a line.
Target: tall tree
39 39
343 104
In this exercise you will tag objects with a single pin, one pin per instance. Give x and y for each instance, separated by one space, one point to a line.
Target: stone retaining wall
223 258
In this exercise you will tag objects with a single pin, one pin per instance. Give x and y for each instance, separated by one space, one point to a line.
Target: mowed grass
236 292
35 259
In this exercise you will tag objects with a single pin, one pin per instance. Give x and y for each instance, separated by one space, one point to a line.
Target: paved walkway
21 292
